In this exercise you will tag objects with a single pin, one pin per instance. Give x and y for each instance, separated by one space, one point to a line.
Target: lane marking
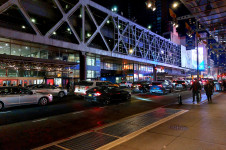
77 112
5 112
40 120
62 147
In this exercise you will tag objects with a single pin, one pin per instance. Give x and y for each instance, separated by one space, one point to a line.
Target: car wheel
43 101
128 97
1 105
61 94
107 101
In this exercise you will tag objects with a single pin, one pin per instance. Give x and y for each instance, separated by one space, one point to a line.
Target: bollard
179 99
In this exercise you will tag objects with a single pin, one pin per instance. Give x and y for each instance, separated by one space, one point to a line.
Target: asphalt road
32 126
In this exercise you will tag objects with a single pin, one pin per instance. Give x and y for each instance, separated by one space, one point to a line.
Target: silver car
44 88
16 96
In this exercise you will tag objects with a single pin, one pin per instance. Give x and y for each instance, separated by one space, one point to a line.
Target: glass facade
18 70
93 67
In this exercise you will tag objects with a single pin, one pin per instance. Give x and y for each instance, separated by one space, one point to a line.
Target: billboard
201 59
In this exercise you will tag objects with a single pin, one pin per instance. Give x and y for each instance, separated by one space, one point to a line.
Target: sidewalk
203 127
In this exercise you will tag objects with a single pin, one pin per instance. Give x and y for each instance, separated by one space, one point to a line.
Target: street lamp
149 27
114 9
151 4
175 4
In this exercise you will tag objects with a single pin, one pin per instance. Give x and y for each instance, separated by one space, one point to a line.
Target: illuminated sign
201 59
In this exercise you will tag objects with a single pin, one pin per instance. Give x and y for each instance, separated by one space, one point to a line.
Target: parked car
126 84
167 85
141 86
158 87
16 96
106 95
180 85
45 88
83 86
111 84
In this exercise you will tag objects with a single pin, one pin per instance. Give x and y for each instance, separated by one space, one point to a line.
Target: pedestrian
209 90
68 86
196 88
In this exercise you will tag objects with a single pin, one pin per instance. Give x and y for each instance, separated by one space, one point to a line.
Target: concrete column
154 73
82 65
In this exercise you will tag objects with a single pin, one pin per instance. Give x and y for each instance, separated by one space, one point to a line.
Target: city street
33 126
93 74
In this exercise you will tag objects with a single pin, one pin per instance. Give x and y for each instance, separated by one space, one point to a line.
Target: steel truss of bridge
101 32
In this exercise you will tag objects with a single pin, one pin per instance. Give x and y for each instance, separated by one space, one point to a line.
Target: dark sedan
141 86
106 94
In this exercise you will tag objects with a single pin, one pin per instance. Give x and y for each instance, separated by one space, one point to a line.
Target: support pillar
82 65
154 73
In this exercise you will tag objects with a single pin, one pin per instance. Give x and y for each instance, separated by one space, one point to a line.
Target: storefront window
150 68
77 59
44 54
4 48
64 56
15 50
90 74
98 61
58 82
35 52
12 73
71 57
135 77
2 72
90 61
25 51
53 55
135 66
97 74
108 66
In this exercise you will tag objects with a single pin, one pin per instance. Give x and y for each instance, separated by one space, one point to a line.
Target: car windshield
180 82
161 80
156 83
85 83
108 82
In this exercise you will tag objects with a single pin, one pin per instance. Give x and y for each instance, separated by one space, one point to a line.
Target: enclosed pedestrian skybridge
85 26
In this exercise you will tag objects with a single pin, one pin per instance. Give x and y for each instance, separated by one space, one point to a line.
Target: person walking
209 90
68 86
196 88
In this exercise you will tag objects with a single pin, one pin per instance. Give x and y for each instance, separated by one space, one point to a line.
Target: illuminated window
90 61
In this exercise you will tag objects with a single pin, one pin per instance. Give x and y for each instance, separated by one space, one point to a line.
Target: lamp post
197 44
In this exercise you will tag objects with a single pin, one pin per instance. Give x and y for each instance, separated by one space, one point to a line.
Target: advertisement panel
201 59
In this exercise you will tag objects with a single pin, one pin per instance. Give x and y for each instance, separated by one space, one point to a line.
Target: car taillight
50 95
125 83
97 94
150 85
160 85
86 87
183 83
138 85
